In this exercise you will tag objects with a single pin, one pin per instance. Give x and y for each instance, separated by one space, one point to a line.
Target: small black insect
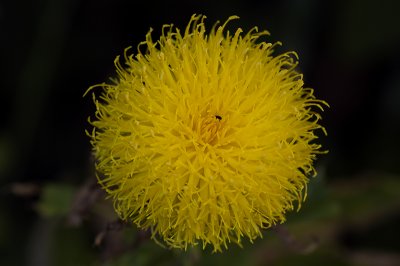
218 117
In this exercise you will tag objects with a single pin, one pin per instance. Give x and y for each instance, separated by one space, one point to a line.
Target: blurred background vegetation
52 212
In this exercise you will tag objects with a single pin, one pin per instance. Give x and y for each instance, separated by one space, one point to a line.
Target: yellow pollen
209 128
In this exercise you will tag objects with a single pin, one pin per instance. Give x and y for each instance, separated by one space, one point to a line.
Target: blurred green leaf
56 200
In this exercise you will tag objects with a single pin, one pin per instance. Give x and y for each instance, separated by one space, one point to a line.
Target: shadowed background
52 51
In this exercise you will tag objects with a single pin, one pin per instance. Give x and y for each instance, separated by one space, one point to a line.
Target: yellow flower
205 138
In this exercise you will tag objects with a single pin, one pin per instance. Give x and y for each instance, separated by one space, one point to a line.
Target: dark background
53 50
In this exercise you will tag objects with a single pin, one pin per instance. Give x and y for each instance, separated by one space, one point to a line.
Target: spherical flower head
205 137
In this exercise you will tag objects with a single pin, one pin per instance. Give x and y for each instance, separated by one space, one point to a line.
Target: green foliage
56 200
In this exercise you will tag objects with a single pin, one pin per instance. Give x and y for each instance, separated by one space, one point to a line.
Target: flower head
205 137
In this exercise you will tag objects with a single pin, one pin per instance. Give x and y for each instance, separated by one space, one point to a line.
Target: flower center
209 127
